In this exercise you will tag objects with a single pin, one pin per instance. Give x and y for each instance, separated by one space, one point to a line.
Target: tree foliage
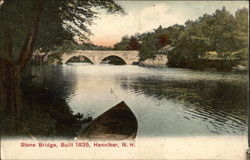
123 44
221 32
128 43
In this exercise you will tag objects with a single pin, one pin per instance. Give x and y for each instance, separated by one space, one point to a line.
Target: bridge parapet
97 56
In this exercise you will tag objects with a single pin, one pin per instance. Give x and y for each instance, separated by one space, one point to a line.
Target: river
166 101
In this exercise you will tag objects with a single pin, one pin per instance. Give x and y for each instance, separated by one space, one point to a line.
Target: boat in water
117 123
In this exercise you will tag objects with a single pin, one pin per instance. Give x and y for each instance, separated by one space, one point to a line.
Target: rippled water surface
166 101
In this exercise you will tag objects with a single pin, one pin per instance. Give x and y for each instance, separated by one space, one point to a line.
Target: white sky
143 16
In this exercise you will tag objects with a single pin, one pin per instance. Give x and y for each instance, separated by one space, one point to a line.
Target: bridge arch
97 56
113 59
81 58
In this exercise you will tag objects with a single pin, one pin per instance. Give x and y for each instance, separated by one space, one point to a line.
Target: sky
144 16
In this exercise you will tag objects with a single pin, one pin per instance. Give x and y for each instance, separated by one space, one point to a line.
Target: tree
29 24
161 37
224 28
152 42
174 33
123 44
220 32
241 33
133 43
162 40
191 44
128 43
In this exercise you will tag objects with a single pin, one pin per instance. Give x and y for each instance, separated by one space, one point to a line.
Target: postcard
127 79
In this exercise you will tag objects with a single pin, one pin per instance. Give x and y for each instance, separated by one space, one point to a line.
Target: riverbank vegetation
218 41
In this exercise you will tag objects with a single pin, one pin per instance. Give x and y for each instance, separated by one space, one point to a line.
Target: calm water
166 101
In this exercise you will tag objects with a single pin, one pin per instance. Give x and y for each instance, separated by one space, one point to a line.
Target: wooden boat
117 123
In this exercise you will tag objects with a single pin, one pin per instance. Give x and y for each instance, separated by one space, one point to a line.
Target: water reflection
222 104
166 101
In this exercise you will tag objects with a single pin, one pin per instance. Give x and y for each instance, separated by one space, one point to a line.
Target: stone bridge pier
96 57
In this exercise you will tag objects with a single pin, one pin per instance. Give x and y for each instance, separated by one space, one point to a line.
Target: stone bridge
96 57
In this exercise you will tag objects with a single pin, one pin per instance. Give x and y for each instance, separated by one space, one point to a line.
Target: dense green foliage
149 43
221 33
128 43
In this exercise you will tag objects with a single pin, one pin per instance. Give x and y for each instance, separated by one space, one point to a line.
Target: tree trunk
10 96
27 50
